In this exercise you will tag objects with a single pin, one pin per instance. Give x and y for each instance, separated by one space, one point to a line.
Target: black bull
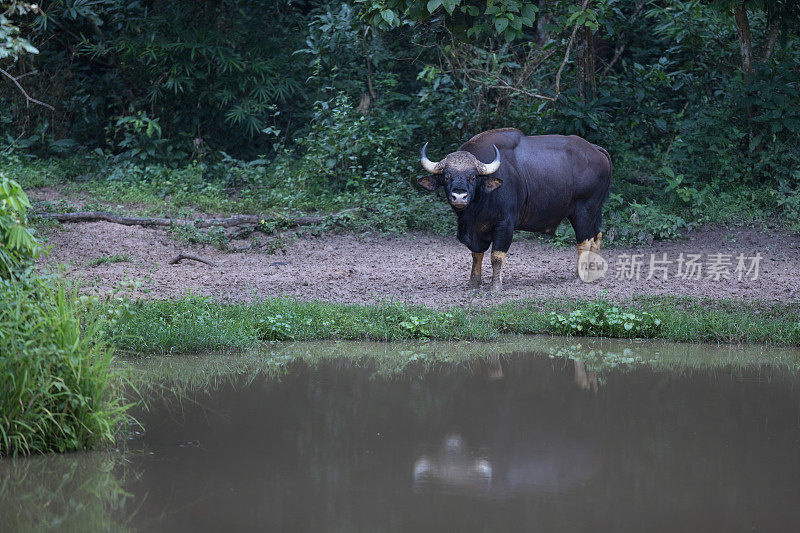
540 181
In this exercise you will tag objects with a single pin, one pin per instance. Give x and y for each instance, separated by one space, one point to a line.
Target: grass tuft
109 259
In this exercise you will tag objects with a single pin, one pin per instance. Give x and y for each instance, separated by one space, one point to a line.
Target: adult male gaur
503 180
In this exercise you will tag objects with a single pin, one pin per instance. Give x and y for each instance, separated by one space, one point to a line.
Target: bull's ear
430 182
491 183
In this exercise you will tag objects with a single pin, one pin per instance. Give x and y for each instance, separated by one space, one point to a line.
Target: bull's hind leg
475 273
587 245
598 240
586 223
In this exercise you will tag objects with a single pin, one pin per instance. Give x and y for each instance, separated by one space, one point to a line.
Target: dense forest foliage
318 105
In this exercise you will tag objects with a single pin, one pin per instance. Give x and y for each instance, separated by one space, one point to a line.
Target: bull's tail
608 156
599 218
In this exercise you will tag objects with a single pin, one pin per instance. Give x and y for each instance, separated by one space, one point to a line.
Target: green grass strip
195 324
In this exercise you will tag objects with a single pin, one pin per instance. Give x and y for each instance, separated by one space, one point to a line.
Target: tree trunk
745 43
542 36
580 63
371 97
772 39
584 59
590 81
746 50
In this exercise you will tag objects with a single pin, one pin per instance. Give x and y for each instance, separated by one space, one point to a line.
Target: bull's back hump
503 138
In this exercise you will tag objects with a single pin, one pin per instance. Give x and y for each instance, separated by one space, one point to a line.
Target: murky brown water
518 442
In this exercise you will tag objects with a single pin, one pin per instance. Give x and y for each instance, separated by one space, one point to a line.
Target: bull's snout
458 198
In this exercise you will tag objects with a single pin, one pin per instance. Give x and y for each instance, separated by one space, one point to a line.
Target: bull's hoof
495 289
474 284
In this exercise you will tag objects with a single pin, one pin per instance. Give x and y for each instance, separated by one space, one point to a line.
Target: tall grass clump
58 391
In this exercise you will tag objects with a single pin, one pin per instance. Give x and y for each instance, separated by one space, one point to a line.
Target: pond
537 434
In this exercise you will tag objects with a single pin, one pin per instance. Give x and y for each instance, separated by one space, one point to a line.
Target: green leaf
388 16
529 12
500 24
433 5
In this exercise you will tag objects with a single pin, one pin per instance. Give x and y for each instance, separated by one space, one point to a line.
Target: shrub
602 318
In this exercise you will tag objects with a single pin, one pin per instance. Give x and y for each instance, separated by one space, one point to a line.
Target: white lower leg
598 239
498 259
585 246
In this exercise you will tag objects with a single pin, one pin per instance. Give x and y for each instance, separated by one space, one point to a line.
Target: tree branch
505 85
28 99
617 53
637 8
566 54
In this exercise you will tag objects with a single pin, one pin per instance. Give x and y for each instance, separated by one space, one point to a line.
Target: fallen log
225 222
181 257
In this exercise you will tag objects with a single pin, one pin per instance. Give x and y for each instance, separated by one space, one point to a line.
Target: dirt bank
418 269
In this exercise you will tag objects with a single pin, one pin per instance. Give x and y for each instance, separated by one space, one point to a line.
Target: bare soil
415 269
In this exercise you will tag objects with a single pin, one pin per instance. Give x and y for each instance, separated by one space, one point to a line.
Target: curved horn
490 168
427 164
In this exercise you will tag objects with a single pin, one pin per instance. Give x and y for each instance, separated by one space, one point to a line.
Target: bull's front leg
502 242
475 273
498 260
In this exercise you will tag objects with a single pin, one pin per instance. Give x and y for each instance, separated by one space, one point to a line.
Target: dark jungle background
317 106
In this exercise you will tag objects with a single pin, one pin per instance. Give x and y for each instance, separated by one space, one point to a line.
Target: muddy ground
416 269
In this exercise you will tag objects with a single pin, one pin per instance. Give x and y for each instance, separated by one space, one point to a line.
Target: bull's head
461 173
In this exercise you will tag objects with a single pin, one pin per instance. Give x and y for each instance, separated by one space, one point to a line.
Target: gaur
503 180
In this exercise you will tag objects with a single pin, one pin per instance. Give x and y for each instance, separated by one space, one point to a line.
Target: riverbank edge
194 324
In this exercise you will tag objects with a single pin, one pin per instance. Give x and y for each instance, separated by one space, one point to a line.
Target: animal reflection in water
586 380
583 379
542 460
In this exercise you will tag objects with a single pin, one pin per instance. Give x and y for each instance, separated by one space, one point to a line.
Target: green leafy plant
18 244
275 328
12 43
416 326
602 318
188 233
